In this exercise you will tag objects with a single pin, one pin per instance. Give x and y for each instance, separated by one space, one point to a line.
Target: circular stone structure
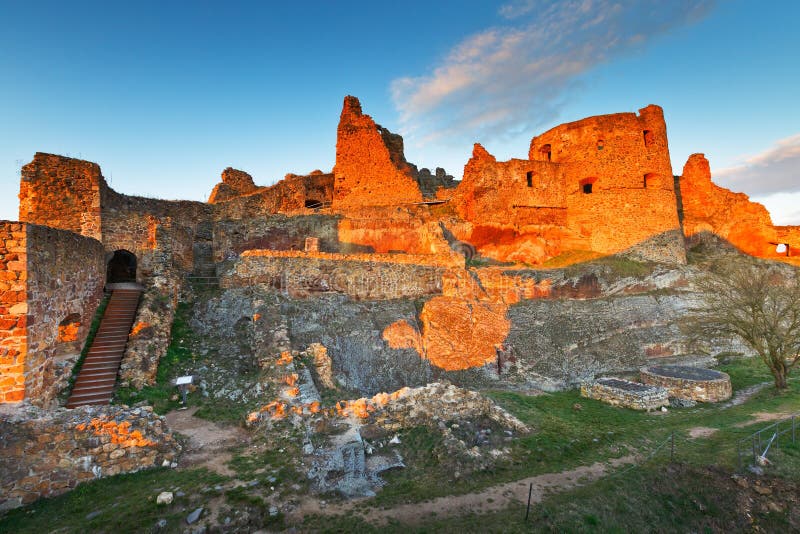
694 383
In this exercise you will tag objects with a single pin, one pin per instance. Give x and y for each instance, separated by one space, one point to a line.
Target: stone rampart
46 453
53 281
361 276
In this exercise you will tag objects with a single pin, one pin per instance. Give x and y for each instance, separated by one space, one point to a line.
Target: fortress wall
361 276
66 275
160 233
708 207
62 192
287 196
276 232
13 310
47 453
52 282
370 167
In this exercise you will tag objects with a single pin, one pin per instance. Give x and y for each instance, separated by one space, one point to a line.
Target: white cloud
511 78
776 170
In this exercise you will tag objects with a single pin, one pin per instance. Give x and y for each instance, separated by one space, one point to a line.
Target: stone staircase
98 375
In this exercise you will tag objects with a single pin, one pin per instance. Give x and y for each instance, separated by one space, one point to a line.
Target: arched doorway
121 267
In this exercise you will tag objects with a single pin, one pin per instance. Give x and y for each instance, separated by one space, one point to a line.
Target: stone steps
98 375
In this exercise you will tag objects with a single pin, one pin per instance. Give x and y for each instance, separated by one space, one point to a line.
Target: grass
565 438
161 394
126 504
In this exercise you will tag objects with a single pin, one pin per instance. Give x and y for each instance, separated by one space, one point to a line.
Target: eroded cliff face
370 169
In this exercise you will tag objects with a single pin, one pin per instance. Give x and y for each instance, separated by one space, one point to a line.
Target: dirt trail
490 499
209 443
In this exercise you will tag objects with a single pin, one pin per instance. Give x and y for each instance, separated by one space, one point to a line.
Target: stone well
619 392
695 383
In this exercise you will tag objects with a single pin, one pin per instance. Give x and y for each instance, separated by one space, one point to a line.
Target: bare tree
759 303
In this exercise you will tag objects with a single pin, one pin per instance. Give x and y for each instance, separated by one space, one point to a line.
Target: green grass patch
160 395
126 503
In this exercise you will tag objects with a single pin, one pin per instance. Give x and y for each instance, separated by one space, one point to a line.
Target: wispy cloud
511 78
776 170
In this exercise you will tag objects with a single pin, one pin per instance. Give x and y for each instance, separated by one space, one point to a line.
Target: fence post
528 510
739 453
793 427
755 454
672 447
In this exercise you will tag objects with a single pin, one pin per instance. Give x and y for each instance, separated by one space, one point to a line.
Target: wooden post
793 430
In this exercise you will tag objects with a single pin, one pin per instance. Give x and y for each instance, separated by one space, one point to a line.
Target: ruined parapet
431 183
62 192
370 166
692 383
53 281
619 392
92 442
234 183
708 207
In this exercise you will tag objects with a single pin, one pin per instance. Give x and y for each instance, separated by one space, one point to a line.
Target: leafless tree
756 301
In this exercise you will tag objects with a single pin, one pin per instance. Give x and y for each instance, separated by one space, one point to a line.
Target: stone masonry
693 383
46 453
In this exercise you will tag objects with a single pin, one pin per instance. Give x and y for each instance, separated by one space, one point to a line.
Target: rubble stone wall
46 453
706 386
618 392
52 282
62 192
361 276
370 169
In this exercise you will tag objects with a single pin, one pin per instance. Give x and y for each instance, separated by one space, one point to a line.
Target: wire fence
753 449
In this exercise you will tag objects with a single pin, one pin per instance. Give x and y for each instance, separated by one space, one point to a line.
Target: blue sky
164 95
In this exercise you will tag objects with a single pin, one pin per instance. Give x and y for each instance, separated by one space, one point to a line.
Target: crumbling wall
62 192
234 183
276 232
14 316
708 207
46 453
370 169
53 282
295 193
361 276
581 186
393 229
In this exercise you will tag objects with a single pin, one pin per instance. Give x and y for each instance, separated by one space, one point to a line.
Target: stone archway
121 267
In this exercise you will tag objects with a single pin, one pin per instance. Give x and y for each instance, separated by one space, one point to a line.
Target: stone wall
14 307
370 169
276 232
581 186
46 453
627 394
53 283
747 225
702 385
361 276
62 193
151 332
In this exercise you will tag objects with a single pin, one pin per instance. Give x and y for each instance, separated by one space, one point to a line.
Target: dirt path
490 499
209 443
741 396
